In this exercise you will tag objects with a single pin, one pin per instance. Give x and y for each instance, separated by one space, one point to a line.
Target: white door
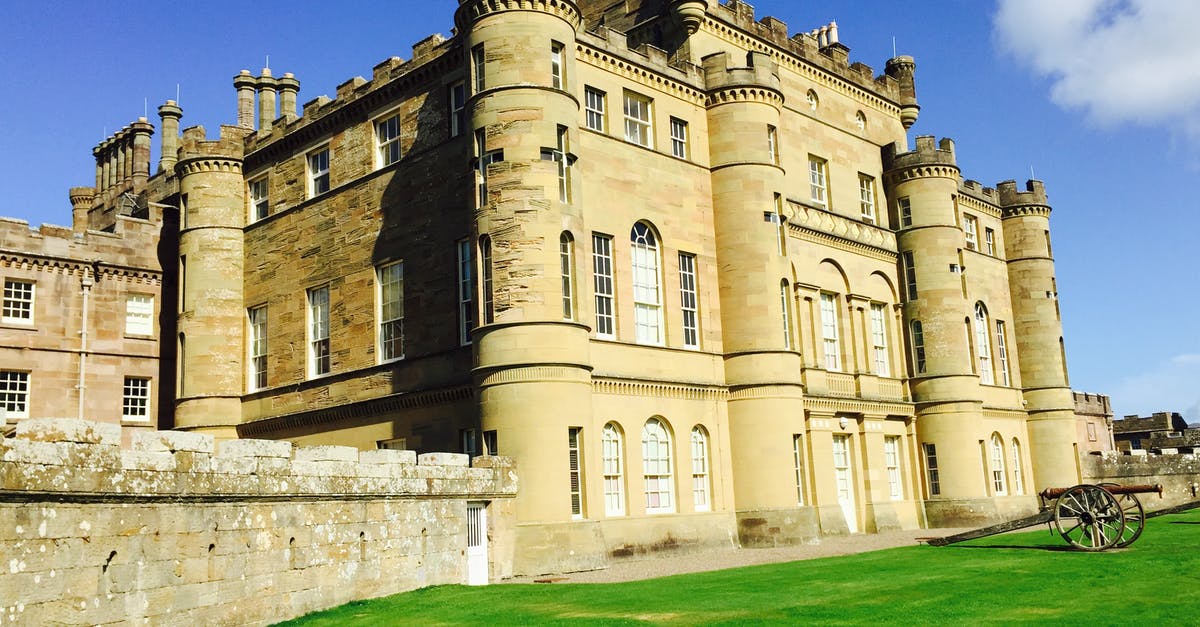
477 549
841 473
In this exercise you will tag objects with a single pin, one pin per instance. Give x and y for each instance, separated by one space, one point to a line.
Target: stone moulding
475 10
832 229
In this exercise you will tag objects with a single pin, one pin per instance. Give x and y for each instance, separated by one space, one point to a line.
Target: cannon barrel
1111 488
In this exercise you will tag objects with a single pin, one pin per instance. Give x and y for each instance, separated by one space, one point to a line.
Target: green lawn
1026 577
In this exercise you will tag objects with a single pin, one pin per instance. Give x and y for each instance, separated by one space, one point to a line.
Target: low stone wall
172 532
1178 474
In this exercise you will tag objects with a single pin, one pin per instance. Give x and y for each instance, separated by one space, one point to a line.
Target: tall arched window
485 266
1018 482
614 470
700 469
998 483
656 467
566 257
647 292
983 345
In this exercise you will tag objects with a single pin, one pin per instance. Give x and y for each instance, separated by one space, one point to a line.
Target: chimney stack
244 83
266 100
289 86
170 113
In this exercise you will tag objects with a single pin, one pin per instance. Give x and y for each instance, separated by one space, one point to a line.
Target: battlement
58 455
759 70
229 143
132 242
616 44
1092 404
925 154
977 190
1034 194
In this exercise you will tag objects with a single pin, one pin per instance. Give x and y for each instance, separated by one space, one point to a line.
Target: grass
1016 578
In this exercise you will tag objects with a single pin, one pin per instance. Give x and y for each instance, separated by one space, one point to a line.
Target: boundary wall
1178 474
178 531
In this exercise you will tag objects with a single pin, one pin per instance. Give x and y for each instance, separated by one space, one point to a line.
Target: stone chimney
140 153
245 83
266 100
289 86
170 113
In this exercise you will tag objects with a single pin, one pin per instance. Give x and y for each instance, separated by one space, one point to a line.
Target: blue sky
1100 97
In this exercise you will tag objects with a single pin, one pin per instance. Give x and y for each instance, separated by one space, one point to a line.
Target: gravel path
719 559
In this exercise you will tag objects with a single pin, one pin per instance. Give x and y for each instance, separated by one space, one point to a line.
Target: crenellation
428 48
1033 194
350 87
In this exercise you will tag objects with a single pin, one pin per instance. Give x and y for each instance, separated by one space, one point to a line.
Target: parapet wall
177 531
1178 474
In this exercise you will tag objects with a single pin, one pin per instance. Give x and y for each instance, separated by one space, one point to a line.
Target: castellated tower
762 367
212 210
531 353
944 385
1038 327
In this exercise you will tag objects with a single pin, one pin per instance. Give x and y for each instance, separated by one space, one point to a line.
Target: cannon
1089 517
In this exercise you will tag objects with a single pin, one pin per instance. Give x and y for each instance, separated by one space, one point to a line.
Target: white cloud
1173 385
1118 60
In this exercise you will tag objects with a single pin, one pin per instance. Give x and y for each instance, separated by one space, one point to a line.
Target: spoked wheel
1135 517
1089 518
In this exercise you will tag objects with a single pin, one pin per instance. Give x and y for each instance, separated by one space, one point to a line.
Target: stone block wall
1178 474
178 531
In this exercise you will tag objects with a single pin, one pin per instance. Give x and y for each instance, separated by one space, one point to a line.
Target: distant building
680 263
1152 432
1094 417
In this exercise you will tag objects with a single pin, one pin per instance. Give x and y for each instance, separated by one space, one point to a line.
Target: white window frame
830 336
647 285
566 262
387 139
786 310
907 259
478 66
904 208
319 357
891 456
602 286
983 345
780 224
486 158
970 231
557 66
135 399
866 198
639 126
458 108
256 344
657 472
689 303
1002 354
558 154
679 138
318 171
575 470
701 492
931 468
389 282
595 102
1018 480
20 300
773 144
918 344
989 240
466 290
798 460
485 275
139 315
260 198
879 345
14 393
999 483
818 181
612 459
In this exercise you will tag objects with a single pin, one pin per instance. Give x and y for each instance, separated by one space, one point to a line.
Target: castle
682 266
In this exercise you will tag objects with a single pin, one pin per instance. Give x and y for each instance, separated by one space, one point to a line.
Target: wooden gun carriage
1089 517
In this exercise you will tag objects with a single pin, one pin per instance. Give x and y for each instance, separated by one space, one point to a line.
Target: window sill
24 326
130 336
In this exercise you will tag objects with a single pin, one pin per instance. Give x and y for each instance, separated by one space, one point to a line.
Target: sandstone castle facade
683 267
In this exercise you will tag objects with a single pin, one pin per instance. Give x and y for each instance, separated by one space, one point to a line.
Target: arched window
485 264
647 295
998 483
786 309
918 345
656 467
566 256
700 469
1018 483
983 345
614 470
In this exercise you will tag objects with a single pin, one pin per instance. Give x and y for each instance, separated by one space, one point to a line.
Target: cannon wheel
1089 518
1135 516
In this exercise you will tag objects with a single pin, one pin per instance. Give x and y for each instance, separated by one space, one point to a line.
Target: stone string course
178 531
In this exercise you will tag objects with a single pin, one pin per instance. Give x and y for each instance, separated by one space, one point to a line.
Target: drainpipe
88 282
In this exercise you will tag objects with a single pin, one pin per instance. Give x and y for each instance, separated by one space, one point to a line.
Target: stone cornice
978 205
828 228
195 165
374 408
1027 210
857 406
652 79
475 10
658 389
922 170
744 93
